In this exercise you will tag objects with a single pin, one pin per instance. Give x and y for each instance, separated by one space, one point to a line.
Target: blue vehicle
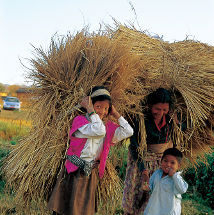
11 103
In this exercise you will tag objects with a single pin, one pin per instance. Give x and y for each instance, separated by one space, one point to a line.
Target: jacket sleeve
95 128
152 179
123 131
180 185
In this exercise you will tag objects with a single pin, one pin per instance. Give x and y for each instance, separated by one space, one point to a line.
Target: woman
158 126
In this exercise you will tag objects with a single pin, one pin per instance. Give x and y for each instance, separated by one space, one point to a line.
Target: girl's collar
88 117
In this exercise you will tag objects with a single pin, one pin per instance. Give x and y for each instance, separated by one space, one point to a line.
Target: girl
158 125
90 139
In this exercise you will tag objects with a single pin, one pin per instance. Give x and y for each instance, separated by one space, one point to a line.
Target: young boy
167 185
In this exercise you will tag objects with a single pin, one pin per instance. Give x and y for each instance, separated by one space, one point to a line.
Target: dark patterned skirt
135 198
74 193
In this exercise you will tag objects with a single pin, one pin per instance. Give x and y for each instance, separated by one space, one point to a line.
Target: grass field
14 125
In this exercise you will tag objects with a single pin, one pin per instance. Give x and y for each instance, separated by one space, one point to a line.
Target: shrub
201 180
118 156
3 153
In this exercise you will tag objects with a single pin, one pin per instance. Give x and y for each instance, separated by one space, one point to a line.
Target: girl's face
169 163
159 109
101 108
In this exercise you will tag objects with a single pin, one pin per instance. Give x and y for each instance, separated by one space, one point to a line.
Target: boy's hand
171 172
114 112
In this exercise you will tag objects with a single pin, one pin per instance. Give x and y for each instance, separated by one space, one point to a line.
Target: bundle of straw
109 197
62 76
186 69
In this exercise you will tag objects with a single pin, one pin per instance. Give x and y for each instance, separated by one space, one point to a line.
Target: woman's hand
114 113
87 104
145 172
174 116
145 181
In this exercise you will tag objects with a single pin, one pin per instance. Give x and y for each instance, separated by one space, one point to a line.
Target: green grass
14 115
13 130
5 147
192 207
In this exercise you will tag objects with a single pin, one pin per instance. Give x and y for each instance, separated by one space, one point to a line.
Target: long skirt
135 198
74 193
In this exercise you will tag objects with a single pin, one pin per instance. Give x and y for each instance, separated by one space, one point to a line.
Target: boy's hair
101 97
160 95
175 152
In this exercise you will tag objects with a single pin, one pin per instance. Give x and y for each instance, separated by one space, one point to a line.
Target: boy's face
169 165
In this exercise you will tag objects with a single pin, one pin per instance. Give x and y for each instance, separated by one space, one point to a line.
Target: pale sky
25 22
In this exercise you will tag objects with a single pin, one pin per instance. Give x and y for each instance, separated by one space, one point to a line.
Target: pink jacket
77 144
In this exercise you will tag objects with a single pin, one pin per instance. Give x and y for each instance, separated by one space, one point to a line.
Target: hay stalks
110 190
186 69
62 75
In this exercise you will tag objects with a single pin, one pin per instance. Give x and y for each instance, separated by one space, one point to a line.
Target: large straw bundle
62 76
186 69
131 64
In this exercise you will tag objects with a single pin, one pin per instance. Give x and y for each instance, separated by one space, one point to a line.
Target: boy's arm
180 185
152 180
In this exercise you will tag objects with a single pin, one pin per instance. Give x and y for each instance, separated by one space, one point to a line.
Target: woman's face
101 108
159 109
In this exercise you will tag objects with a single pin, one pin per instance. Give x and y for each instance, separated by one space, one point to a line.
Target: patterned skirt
135 198
74 193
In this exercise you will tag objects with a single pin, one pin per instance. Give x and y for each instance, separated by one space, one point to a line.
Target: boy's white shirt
95 134
166 194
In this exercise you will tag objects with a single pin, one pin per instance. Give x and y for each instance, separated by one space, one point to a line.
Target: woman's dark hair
160 95
175 152
101 97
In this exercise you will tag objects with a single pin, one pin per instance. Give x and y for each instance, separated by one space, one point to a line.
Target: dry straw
186 69
62 75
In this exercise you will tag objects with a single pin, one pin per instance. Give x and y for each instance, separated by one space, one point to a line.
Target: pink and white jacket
112 132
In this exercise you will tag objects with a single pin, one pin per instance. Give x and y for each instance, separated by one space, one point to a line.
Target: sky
25 23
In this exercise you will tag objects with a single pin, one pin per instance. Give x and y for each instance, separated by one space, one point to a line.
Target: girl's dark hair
175 152
160 95
101 97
